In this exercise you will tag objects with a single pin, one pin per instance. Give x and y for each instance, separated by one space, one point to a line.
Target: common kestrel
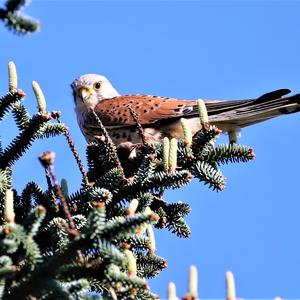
160 116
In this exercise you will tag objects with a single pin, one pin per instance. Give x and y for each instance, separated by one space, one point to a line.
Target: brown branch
47 161
138 124
63 201
56 115
50 189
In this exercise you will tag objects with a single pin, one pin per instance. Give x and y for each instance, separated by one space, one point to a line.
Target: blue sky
185 49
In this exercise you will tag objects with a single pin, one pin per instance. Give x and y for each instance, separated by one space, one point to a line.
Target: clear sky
185 49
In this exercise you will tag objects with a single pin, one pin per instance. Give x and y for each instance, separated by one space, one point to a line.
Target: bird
160 116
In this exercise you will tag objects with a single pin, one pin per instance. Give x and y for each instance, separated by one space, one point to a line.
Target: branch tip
47 158
203 114
193 282
41 101
13 77
230 286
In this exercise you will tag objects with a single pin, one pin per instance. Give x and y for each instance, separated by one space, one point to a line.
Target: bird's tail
242 113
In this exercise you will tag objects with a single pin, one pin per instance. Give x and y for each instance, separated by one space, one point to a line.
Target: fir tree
99 239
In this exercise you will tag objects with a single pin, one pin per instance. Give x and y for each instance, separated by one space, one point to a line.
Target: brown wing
114 112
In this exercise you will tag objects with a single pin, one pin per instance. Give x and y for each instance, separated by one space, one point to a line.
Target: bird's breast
132 135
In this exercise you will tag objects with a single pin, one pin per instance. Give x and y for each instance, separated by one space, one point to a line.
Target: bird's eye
97 86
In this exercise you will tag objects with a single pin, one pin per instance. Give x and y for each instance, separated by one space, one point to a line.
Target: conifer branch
149 265
73 149
51 189
23 141
33 192
209 175
21 116
47 160
16 21
223 154
8 101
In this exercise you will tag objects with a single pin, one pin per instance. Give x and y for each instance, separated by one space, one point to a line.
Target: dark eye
97 86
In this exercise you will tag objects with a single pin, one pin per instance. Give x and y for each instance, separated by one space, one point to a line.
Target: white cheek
91 102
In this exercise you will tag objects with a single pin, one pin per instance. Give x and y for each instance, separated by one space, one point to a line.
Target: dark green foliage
8 101
31 197
209 175
16 21
100 158
21 116
171 217
63 245
14 5
149 265
22 142
64 265
20 23
224 154
139 242
51 130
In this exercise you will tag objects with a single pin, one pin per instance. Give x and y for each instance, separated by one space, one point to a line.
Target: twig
56 115
47 161
77 157
63 200
138 124
109 141
50 189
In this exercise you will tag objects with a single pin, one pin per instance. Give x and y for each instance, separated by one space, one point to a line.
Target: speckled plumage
160 116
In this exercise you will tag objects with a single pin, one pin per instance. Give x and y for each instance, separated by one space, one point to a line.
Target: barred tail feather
242 113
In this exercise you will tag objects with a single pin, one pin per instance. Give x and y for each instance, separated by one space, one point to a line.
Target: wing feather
114 112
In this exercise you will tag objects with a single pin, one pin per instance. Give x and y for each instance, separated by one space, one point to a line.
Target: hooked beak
84 94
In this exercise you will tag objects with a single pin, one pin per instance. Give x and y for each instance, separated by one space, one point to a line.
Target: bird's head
90 89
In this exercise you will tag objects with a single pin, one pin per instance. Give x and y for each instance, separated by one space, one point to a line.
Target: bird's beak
84 94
